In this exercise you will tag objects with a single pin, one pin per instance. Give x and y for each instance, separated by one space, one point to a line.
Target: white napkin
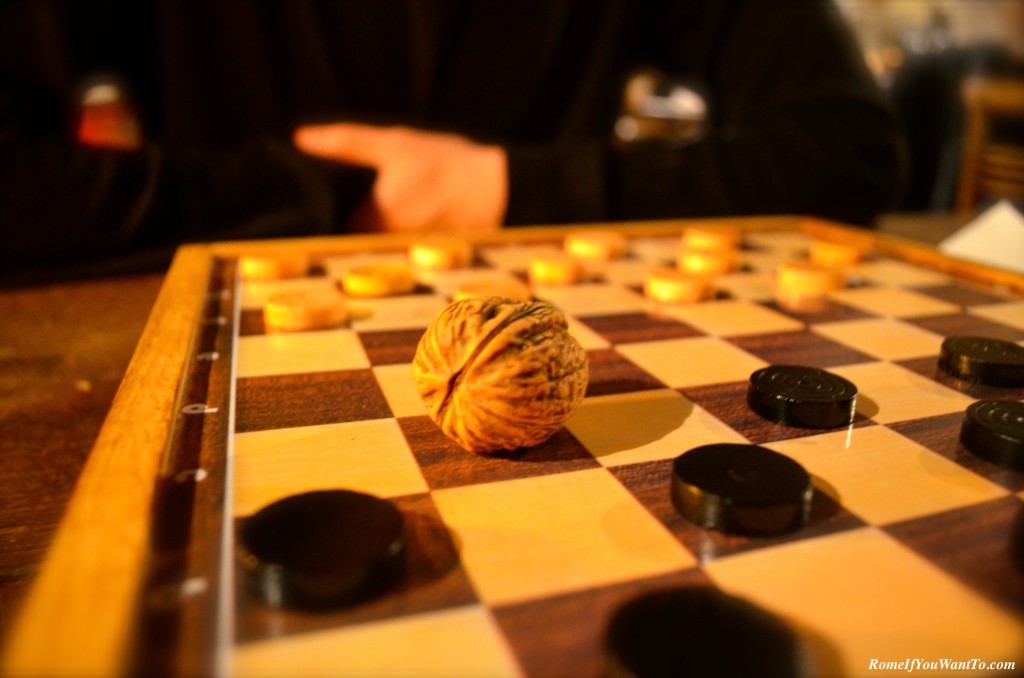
995 237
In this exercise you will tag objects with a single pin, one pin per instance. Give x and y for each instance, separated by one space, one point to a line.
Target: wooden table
64 349
63 352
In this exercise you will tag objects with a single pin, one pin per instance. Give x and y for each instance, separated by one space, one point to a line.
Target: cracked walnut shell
498 374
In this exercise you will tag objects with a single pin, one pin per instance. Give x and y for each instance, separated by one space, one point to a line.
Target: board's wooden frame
78 614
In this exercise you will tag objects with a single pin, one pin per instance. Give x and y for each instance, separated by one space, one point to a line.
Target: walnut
499 374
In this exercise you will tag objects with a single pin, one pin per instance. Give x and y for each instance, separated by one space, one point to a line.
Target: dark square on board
610 373
650 483
825 311
960 294
965 324
633 327
803 348
728 402
309 399
445 464
386 347
434 580
250 322
564 635
941 434
972 544
929 367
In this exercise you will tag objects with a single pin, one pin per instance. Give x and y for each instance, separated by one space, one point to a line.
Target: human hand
425 180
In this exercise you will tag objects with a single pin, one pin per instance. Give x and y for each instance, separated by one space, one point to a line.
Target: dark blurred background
923 53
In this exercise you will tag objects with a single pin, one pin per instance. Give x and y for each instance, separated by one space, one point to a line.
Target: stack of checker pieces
517 561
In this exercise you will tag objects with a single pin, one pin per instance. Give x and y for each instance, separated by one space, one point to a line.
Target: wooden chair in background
992 154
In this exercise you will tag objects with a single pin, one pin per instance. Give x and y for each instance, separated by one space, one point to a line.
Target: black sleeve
796 125
70 210
73 211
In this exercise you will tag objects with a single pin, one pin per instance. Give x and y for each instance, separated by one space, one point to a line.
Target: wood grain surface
64 350
84 594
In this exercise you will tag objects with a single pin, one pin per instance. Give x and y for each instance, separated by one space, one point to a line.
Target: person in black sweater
300 117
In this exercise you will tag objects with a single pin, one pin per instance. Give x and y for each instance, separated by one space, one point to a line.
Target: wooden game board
517 560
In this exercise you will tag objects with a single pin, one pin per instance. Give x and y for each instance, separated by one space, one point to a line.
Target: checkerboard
516 560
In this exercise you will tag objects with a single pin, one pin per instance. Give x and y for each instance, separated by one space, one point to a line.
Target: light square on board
658 251
644 426
733 317
299 353
886 338
628 272
447 282
680 363
395 313
884 477
367 456
594 533
591 298
893 302
462 641
336 267
748 285
767 262
516 257
255 292
400 390
834 591
792 242
1008 313
890 393
588 338
895 273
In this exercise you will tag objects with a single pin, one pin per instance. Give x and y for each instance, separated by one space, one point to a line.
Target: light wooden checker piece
517 560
